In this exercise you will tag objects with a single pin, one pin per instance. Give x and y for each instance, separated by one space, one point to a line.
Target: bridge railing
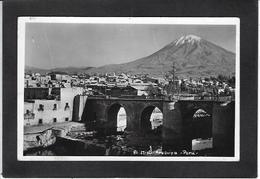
205 98
171 98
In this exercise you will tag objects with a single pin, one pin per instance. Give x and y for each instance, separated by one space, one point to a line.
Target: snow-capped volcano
192 55
187 39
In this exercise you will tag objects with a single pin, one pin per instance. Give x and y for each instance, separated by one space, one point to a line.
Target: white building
44 111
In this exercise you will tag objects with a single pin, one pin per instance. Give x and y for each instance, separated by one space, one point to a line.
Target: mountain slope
69 70
193 56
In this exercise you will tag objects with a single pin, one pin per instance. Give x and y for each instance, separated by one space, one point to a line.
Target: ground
43 127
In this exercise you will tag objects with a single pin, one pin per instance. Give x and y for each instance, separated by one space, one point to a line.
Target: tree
227 91
215 91
231 81
183 86
172 87
206 79
153 91
173 71
166 76
222 78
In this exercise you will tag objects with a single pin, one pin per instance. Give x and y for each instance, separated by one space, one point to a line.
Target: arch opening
121 119
201 130
151 119
116 119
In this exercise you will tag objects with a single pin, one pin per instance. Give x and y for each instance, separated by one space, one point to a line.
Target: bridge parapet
215 99
126 99
205 98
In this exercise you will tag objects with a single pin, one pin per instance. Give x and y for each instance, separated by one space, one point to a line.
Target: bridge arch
202 124
200 113
189 109
145 123
191 127
200 107
112 117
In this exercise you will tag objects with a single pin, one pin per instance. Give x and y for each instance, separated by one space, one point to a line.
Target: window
67 106
55 107
40 121
41 107
66 119
55 119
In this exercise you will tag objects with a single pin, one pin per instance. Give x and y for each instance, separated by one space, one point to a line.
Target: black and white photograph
128 89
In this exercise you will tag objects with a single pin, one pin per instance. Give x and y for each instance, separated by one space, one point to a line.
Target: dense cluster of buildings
53 97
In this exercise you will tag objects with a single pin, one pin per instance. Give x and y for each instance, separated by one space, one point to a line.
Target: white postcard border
121 20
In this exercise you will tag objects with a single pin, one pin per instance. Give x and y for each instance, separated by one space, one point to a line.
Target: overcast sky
50 45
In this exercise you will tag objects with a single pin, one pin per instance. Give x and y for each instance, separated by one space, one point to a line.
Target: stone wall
100 110
223 128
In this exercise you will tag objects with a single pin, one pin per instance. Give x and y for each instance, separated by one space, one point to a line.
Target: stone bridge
177 130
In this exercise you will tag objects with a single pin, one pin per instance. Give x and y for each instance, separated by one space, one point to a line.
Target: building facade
47 111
